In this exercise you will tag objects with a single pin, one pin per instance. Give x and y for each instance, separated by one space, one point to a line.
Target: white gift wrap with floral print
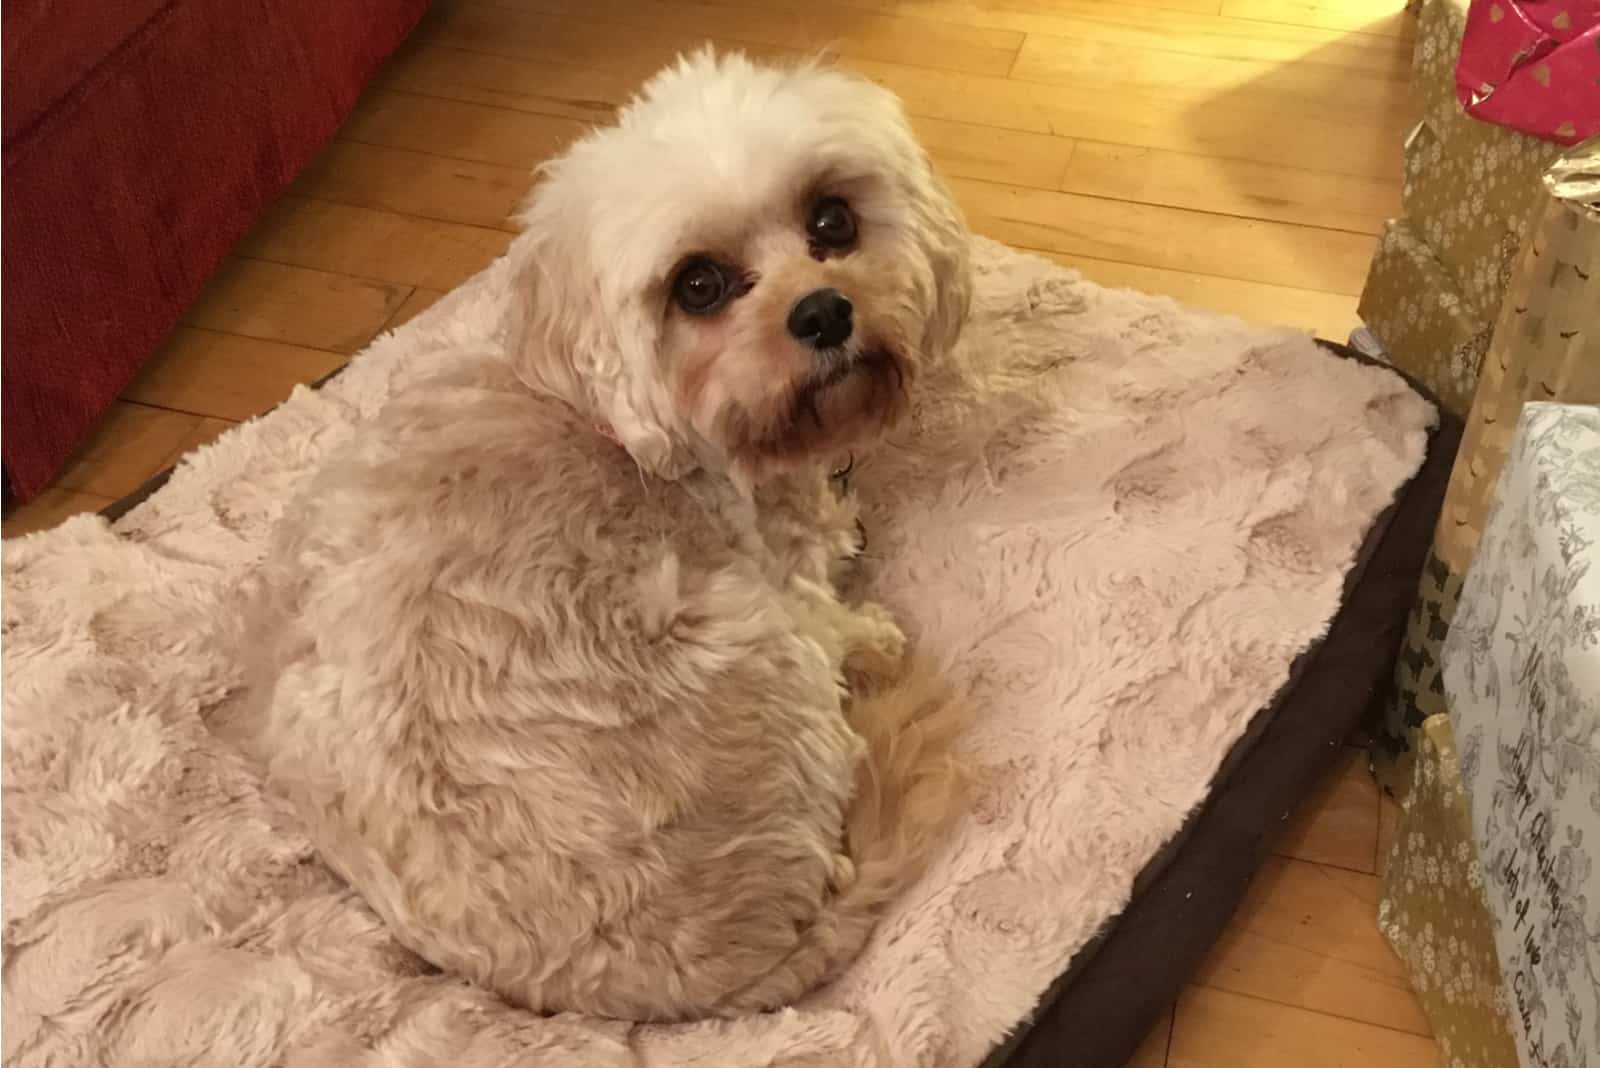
1522 680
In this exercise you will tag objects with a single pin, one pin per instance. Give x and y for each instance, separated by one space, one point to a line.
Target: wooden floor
1236 154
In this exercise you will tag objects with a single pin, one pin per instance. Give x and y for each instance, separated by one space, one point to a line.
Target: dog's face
750 269
799 332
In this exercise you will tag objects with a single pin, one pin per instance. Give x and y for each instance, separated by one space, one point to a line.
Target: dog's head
749 269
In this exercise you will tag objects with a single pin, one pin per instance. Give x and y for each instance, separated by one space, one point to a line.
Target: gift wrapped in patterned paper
1441 24
1532 65
1545 346
1469 186
1522 680
1425 327
1431 908
1468 191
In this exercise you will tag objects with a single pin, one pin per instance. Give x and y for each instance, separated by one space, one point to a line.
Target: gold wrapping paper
1468 192
1440 27
1545 346
1432 910
1418 691
1410 303
1439 276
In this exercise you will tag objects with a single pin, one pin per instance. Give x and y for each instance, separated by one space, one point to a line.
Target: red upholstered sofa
141 139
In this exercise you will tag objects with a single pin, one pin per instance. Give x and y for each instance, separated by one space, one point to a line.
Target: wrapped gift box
1441 24
1425 326
1469 188
1522 681
1533 65
1439 276
1432 910
1545 346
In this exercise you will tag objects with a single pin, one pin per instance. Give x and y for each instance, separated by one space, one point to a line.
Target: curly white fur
721 156
573 719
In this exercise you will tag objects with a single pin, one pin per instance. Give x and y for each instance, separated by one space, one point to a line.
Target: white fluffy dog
558 671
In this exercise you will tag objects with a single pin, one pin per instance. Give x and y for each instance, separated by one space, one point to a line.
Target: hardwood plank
1251 249
1388 824
1208 7
1152 1051
1181 120
415 183
506 137
1326 910
470 129
1307 935
510 137
1218 1029
1367 16
1232 187
499 31
1338 823
49 509
279 302
517 138
1105 60
1328 315
226 376
1244 126
571 30
1213 37
370 243
131 443
989 153
420 300
1024 16
1196 26
209 430
549 88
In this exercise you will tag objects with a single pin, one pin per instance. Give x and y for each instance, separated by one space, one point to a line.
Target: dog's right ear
576 330
542 346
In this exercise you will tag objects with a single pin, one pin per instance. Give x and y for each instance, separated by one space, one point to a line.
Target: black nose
821 319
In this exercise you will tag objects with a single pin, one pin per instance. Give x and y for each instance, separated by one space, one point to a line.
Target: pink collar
605 431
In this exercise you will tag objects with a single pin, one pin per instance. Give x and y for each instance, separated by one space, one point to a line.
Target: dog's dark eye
699 287
832 223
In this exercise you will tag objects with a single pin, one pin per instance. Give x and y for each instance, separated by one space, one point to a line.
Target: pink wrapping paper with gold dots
1533 65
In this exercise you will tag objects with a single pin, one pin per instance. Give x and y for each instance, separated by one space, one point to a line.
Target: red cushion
126 183
50 46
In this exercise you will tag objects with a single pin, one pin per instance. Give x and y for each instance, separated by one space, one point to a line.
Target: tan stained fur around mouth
871 398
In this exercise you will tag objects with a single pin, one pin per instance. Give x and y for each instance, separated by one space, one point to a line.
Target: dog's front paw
877 645
842 875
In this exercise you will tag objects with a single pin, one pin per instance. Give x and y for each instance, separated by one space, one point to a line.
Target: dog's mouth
836 369
843 399
848 397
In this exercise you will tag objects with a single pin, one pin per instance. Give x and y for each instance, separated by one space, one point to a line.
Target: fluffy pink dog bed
1120 583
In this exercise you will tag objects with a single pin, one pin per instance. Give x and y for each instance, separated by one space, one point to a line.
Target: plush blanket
1115 549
